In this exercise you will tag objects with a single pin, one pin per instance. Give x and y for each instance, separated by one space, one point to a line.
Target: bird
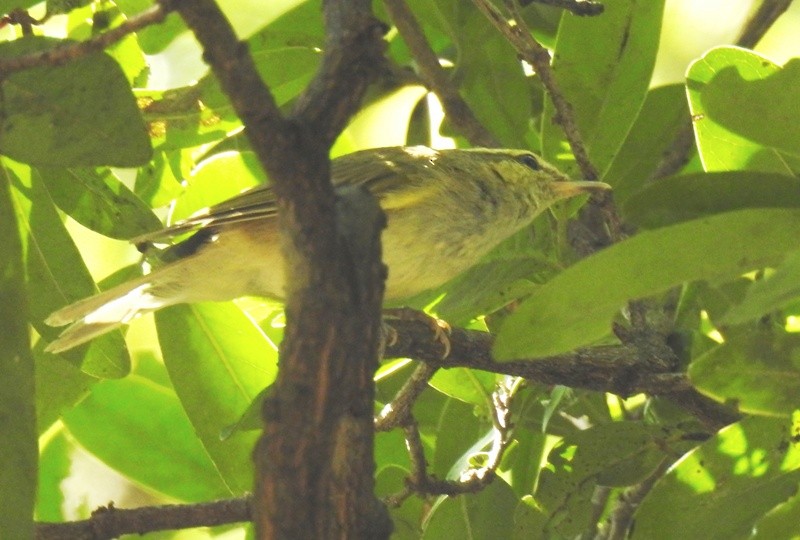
445 210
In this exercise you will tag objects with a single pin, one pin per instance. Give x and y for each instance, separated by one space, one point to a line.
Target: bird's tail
103 312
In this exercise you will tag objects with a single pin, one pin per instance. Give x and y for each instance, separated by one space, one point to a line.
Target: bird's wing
377 170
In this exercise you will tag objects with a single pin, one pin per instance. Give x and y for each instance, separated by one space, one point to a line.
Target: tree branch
456 109
110 522
624 370
61 54
584 8
314 462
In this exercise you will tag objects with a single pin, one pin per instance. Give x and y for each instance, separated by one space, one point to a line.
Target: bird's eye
529 160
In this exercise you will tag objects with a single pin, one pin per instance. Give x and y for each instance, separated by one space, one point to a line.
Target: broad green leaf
217 179
456 430
17 415
489 286
486 514
218 360
770 293
576 307
153 39
467 385
59 386
97 199
138 428
406 517
199 114
721 148
759 371
663 113
54 468
781 523
80 114
383 122
726 485
612 454
603 67
691 196
487 71
7 5
55 272
760 107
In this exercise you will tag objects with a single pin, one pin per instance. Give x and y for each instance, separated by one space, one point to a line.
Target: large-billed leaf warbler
445 210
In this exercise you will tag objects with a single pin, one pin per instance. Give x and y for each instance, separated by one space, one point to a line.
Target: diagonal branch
457 110
61 54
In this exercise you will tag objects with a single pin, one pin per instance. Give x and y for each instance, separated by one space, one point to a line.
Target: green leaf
56 274
138 428
760 107
218 360
80 114
97 199
486 514
781 523
576 307
603 67
217 179
720 147
406 517
17 415
467 385
771 293
726 485
59 386
456 430
199 114
758 371
155 38
681 198
664 112
611 454
54 468
487 71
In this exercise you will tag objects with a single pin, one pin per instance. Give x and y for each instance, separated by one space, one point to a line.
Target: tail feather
104 312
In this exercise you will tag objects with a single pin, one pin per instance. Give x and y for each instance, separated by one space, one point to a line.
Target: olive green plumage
445 210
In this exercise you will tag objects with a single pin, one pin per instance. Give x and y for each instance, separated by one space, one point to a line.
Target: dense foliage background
107 145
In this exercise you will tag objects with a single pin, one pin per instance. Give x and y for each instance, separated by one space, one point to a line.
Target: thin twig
397 411
538 56
435 78
471 480
584 8
61 54
761 21
110 522
622 516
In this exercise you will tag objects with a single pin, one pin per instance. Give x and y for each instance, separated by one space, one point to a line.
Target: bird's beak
570 188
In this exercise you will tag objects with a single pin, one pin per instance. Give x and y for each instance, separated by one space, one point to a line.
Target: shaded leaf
771 293
759 371
486 514
575 308
726 485
80 114
720 148
681 198
603 67
663 113
137 415
99 201
218 360
18 460
56 274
